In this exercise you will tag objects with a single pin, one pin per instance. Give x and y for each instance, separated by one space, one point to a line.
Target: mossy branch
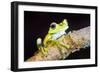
77 39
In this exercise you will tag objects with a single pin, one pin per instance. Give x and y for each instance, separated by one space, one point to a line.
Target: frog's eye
53 25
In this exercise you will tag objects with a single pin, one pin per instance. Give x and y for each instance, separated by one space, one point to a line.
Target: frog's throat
58 34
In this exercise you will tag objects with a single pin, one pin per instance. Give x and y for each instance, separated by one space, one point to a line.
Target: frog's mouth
58 34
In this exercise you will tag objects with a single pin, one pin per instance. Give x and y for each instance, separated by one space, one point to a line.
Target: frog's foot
65 46
44 51
62 49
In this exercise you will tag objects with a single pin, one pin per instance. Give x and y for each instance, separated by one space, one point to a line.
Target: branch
77 40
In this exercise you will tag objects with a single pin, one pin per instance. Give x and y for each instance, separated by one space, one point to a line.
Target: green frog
55 32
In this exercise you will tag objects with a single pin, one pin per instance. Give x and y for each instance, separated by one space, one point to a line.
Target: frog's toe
44 51
68 46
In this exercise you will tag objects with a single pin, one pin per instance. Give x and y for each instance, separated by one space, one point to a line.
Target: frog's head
55 28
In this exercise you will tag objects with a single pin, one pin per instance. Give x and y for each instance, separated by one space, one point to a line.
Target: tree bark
77 39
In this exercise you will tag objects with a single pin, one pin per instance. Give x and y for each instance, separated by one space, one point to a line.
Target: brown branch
76 39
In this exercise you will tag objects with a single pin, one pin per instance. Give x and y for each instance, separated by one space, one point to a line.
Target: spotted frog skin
55 31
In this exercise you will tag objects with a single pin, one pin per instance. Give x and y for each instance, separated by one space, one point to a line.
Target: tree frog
55 31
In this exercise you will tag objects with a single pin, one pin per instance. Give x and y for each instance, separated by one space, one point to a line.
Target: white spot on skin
39 41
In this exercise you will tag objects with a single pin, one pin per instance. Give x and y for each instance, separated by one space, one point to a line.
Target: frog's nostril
53 25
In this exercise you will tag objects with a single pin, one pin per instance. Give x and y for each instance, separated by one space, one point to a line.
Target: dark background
36 24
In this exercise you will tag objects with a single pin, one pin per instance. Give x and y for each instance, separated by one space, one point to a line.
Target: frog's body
55 31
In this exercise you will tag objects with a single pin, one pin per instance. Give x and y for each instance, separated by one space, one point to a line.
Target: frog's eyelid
53 23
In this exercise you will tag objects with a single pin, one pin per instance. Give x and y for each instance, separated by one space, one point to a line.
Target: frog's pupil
53 25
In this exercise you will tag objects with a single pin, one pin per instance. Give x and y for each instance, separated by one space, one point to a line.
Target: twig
77 39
